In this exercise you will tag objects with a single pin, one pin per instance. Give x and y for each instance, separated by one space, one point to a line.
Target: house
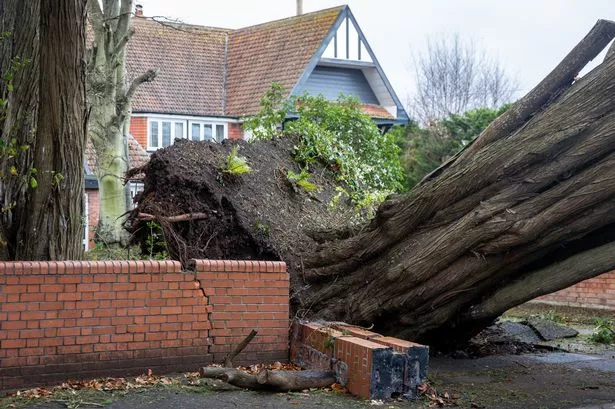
210 78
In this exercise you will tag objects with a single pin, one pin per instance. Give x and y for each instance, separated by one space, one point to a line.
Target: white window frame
187 126
159 121
213 124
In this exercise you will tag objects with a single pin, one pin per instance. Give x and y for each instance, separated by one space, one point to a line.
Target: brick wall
83 319
597 292
138 129
235 131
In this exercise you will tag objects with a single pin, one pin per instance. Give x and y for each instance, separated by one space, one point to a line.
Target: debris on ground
549 330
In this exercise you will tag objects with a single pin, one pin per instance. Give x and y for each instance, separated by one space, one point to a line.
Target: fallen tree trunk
527 209
272 380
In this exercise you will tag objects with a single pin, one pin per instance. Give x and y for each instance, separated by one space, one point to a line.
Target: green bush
604 333
335 134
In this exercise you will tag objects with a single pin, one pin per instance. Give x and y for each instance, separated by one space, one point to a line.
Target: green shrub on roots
302 180
235 164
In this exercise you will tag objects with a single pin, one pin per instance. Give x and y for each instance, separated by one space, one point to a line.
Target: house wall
597 292
61 320
93 214
235 131
333 81
138 129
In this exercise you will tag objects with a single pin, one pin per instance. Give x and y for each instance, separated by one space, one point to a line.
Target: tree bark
54 227
527 209
280 381
19 56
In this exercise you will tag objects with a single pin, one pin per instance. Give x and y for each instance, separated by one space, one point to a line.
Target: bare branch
95 15
147 76
175 219
123 23
121 43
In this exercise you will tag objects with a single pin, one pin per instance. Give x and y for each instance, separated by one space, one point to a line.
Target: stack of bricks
368 364
61 320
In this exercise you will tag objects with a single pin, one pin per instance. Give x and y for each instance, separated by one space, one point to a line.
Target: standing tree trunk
54 226
19 67
110 97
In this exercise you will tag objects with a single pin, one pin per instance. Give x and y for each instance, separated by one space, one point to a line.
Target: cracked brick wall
61 320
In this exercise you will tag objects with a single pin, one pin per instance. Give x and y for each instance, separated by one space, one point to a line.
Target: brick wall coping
139 266
85 267
237 266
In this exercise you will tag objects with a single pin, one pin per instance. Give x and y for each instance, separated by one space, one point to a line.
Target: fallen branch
172 219
228 360
273 380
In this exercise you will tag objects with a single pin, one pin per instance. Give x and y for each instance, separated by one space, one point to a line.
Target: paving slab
549 330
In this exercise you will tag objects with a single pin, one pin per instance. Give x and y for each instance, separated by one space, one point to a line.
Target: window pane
196 132
166 134
219 133
153 134
207 132
179 130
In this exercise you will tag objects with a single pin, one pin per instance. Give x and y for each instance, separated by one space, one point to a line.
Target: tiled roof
190 61
137 156
276 51
376 111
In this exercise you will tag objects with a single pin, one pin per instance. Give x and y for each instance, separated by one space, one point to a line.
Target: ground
537 380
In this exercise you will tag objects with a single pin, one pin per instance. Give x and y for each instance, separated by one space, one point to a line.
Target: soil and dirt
257 215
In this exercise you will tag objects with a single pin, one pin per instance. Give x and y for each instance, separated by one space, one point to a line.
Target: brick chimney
299 7
138 10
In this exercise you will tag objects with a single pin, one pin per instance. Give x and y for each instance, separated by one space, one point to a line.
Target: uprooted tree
524 210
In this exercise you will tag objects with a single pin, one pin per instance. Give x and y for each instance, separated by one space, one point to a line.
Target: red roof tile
276 51
376 111
190 61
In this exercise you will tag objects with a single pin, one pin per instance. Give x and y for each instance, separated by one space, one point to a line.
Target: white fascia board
214 119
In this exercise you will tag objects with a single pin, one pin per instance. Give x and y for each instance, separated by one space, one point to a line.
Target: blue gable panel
330 82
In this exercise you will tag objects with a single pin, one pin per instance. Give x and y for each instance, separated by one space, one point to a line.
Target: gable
350 66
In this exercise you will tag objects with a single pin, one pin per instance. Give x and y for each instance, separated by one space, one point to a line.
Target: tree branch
121 43
228 360
552 278
147 76
123 23
95 15
174 219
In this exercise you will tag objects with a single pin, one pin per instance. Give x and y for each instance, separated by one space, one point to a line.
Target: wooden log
172 219
272 380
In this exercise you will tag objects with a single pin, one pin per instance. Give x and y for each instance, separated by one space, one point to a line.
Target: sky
528 37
